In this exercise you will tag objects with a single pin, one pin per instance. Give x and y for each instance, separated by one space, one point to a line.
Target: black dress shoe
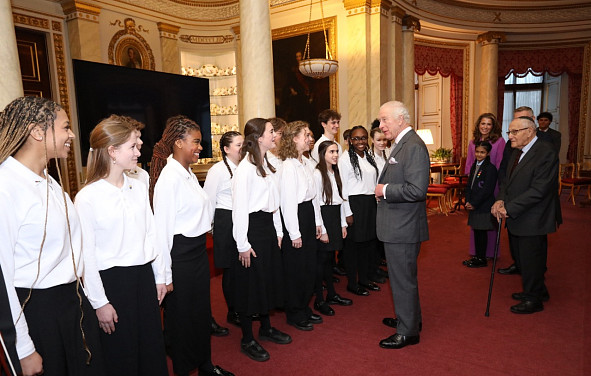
217 370
275 336
527 307
339 271
477 262
315 319
358 291
232 318
398 341
324 308
254 351
218 331
521 296
337 299
304 325
513 269
370 286
392 322
466 262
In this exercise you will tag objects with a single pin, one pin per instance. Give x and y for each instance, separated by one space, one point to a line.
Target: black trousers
324 273
480 242
531 253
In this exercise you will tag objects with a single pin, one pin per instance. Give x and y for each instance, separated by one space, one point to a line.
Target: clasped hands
498 210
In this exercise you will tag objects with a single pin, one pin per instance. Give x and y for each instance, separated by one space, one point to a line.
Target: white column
409 25
489 71
257 60
11 85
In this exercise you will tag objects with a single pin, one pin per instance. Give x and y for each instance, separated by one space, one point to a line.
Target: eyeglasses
515 131
359 138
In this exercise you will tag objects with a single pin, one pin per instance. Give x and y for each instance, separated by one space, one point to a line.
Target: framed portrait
128 48
129 53
298 97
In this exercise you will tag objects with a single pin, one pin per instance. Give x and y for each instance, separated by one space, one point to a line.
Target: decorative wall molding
26 20
77 9
410 23
491 37
168 31
207 39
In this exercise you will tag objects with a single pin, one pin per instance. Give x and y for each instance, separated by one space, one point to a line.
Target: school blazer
481 193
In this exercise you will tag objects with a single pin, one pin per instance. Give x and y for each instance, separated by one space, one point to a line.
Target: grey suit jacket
529 192
402 216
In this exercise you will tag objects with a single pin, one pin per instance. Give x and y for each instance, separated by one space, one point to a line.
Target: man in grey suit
402 219
527 200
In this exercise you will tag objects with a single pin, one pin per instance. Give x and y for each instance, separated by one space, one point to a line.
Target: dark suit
553 137
402 225
529 194
480 193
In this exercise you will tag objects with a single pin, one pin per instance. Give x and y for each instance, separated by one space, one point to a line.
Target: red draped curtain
554 62
447 62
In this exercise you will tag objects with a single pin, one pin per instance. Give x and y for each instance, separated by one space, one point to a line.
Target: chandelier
318 68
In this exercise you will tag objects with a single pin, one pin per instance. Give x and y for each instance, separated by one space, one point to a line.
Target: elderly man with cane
526 201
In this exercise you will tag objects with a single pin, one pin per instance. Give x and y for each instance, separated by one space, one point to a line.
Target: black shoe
217 370
466 262
513 269
324 308
339 271
218 331
398 341
304 325
392 322
521 296
358 291
232 318
370 286
337 299
315 319
527 307
335 279
275 336
254 351
378 279
477 262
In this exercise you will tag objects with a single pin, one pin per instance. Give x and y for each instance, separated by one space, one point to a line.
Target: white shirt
252 193
117 230
380 160
181 206
364 185
297 186
336 197
218 185
526 148
23 202
314 152
275 161
140 174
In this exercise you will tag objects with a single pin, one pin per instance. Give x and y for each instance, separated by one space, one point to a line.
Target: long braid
225 141
355 162
372 162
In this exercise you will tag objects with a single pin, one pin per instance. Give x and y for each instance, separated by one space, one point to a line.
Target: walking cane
494 266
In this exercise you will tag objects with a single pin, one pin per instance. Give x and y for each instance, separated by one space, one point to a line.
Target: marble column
83 30
239 83
378 59
395 53
489 71
410 24
257 60
169 46
11 85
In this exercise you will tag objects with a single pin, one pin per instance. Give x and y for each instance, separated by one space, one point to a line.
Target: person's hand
297 243
469 206
318 232
379 191
161 290
107 317
279 240
496 206
169 288
344 231
244 257
324 238
349 220
32 365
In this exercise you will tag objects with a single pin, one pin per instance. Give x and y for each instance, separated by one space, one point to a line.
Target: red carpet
457 339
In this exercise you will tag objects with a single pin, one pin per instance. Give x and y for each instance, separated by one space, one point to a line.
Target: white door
429 107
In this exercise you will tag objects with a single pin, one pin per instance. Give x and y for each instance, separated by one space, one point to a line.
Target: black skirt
364 208
259 288
187 309
331 216
225 251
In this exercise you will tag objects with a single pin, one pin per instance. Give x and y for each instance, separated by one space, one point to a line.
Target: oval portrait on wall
130 53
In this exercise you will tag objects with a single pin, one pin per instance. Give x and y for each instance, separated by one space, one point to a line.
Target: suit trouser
531 253
402 270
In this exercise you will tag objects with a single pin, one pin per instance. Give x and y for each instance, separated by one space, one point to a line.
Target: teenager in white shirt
359 174
41 246
183 215
329 197
273 154
137 172
330 121
379 147
124 273
218 186
257 232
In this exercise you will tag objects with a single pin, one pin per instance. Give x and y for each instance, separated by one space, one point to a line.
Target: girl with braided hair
183 215
257 231
359 174
218 186
40 252
124 272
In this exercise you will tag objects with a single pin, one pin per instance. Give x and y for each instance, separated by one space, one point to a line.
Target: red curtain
554 62
455 103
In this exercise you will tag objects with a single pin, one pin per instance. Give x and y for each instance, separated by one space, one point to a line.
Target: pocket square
392 160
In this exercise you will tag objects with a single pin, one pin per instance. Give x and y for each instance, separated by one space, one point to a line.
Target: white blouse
181 206
275 161
314 152
364 185
336 197
297 186
24 199
118 230
380 160
218 185
252 193
140 174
